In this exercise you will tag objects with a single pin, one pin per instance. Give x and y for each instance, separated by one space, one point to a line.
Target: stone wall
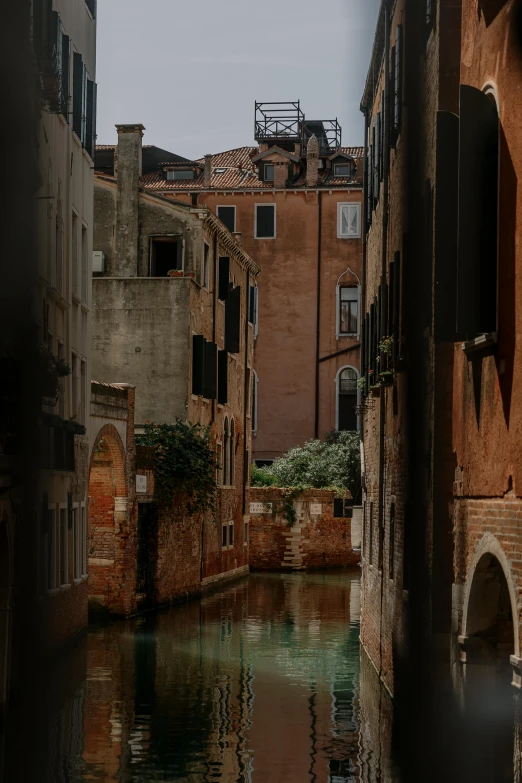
316 540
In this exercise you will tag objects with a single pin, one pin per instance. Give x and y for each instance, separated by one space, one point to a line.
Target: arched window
226 446
346 383
232 453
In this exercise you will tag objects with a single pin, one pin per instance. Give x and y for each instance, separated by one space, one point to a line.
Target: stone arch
5 609
107 519
489 567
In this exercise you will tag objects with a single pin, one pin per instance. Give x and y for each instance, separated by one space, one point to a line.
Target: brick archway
107 522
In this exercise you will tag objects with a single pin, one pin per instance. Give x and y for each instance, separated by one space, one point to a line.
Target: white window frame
265 204
63 507
337 379
340 206
228 206
338 334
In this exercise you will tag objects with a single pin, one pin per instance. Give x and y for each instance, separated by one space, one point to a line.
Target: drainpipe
246 401
318 309
363 285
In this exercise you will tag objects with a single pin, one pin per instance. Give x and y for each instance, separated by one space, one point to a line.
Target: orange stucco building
295 203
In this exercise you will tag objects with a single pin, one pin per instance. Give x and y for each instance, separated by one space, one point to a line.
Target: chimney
208 171
312 162
129 167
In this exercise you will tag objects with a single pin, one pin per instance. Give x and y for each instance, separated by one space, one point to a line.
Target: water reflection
262 681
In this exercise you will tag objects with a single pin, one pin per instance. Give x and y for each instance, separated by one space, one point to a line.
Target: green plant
333 463
289 512
361 384
184 465
386 345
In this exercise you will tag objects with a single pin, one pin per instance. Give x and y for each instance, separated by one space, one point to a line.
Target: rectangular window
83 539
245 533
78 99
74 388
348 221
61 384
269 172
75 255
198 364
85 247
77 553
222 371
254 401
224 278
392 541
233 321
51 548
231 534
342 170
265 221
206 255
224 536
59 254
397 82
83 393
63 547
348 310
66 75
90 118
165 256
91 5
227 215
210 372
185 174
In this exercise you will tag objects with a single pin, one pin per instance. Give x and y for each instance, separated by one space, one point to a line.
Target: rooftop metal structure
284 123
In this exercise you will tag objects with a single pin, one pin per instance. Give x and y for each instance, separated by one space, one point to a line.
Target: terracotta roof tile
240 174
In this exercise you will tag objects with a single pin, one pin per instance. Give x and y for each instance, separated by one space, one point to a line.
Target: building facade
295 200
174 315
440 537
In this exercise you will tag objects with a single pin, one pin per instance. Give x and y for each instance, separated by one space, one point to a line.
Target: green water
257 682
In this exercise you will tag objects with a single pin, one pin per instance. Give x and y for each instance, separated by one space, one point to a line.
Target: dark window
232 453
198 363
66 76
224 278
226 451
90 130
265 221
348 310
269 172
231 535
263 463
224 536
91 5
377 157
369 181
233 320
227 215
343 170
478 213
181 174
343 507
78 82
165 255
210 372
397 82
347 400
206 265
252 304
222 370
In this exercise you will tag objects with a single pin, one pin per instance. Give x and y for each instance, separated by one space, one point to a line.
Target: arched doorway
107 507
490 625
346 407
5 607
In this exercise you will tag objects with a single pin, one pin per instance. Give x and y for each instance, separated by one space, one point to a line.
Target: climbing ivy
184 465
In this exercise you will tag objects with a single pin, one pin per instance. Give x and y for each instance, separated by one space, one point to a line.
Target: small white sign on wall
316 509
141 484
260 508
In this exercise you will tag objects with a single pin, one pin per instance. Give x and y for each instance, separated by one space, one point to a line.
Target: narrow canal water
257 682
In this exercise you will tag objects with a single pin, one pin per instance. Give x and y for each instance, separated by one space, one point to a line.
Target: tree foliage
334 463
184 465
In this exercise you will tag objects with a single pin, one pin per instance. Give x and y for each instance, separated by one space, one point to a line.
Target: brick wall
323 540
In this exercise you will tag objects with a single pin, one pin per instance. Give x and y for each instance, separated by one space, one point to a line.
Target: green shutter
222 369
233 320
198 363
77 93
224 277
210 372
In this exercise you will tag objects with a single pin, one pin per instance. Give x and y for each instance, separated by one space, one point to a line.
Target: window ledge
482 343
80 579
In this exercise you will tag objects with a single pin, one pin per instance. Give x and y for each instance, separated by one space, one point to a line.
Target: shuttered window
252 304
348 220
377 162
222 371
66 75
224 277
233 320
90 130
478 213
198 363
77 94
265 221
210 372
227 215
397 81
369 187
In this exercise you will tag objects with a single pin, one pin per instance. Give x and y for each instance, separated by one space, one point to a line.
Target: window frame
60 542
337 394
166 239
265 204
231 538
265 167
228 206
357 333
246 531
342 205
173 178
338 165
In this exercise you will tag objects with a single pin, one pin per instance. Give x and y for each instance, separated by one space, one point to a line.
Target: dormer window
269 172
177 174
344 169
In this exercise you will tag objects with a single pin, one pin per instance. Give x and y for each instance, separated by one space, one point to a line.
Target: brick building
174 315
440 538
295 201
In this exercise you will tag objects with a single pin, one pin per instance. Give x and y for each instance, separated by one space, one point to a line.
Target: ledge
480 344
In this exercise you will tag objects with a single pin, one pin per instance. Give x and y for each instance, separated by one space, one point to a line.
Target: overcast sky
190 70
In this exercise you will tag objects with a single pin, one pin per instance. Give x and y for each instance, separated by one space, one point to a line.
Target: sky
191 70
